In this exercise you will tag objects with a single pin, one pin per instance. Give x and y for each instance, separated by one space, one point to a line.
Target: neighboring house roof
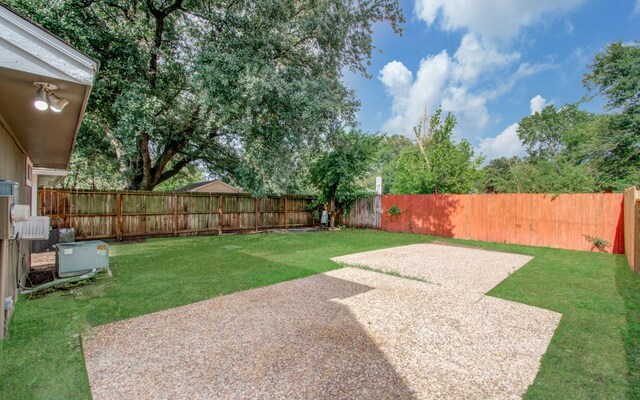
29 54
200 185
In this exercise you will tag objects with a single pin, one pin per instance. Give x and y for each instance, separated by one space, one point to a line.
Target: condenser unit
78 258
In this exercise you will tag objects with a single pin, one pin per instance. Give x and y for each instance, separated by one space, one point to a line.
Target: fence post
39 202
636 236
286 215
256 208
210 216
175 214
220 199
118 216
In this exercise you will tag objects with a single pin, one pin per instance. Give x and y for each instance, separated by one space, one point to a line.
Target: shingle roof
200 184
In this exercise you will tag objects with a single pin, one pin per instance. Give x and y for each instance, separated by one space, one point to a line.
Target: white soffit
24 46
50 172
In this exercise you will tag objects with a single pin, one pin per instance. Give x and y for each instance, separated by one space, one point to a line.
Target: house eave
25 46
29 54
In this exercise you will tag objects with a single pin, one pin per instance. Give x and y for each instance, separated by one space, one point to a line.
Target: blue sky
489 62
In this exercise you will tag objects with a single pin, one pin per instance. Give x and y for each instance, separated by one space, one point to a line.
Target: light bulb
56 103
41 100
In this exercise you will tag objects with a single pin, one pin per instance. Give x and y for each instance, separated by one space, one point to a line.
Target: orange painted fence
568 221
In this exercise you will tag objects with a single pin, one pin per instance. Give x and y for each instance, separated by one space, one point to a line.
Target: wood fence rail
118 215
569 221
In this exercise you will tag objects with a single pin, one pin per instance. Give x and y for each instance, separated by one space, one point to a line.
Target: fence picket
110 214
561 221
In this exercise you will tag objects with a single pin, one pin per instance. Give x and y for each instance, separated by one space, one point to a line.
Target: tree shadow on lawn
628 285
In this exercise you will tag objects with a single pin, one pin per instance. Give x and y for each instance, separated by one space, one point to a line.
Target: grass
595 352
388 272
43 357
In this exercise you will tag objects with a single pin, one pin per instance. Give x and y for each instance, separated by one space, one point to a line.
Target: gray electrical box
9 195
9 189
78 258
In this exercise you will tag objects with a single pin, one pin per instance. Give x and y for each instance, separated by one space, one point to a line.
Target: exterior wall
216 187
12 167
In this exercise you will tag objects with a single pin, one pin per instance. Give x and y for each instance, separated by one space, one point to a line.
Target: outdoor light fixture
56 103
41 100
45 98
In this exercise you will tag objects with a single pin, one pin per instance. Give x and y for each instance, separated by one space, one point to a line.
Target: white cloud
454 83
568 25
474 56
396 77
483 67
470 109
507 83
537 104
422 93
492 19
506 144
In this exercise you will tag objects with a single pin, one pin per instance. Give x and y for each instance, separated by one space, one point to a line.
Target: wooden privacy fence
569 221
118 215
632 228
366 212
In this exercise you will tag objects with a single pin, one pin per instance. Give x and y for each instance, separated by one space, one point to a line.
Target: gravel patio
348 333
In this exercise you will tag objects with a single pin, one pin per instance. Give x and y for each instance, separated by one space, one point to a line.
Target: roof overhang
29 54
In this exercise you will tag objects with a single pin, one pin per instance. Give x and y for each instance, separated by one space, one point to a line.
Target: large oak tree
239 86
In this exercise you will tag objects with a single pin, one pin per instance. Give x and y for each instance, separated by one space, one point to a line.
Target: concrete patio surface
345 334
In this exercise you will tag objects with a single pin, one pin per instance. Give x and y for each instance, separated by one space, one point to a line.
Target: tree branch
146 158
159 15
174 146
177 167
125 11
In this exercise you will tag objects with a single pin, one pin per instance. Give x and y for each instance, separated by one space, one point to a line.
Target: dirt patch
39 276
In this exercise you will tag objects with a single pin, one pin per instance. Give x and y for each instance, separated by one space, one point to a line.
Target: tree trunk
332 212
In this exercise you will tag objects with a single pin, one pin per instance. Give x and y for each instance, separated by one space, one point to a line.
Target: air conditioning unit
33 228
78 258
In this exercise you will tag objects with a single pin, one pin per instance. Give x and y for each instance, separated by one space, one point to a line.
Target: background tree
384 160
544 133
335 173
222 84
615 74
571 150
505 175
436 164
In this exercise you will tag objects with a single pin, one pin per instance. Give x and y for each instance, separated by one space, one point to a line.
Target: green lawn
594 353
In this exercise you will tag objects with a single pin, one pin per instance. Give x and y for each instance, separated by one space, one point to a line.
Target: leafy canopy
437 164
384 159
335 173
544 133
570 150
241 87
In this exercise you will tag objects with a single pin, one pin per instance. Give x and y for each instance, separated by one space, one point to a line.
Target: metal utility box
9 189
78 258
8 196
